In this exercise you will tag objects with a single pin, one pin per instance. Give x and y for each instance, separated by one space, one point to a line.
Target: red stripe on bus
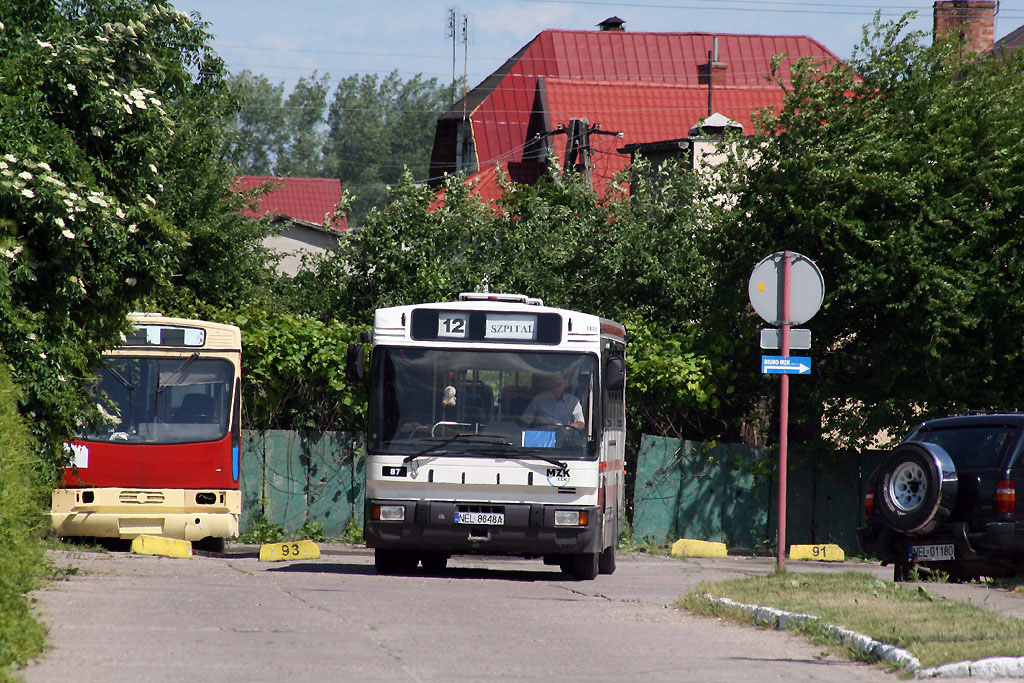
613 328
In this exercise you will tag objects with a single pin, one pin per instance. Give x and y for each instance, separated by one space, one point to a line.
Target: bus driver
554 406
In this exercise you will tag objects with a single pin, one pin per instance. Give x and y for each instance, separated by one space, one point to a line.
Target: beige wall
295 241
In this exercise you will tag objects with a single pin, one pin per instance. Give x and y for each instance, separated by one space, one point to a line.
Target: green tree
257 127
631 258
111 123
376 128
304 134
900 175
373 129
295 372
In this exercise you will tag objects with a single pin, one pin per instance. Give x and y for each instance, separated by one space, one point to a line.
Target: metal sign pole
787 261
771 292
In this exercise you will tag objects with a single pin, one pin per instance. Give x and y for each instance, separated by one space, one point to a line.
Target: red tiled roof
304 199
501 118
644 112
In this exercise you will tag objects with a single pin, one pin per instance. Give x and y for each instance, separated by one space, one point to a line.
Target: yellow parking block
828 552
686 547
158 545
294 550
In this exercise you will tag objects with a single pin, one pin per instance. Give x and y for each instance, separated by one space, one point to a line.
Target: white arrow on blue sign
785 365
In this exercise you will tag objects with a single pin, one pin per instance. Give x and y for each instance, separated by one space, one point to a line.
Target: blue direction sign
785 365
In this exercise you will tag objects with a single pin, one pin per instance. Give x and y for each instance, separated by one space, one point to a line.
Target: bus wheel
606 561
582 566
391 561
434 562
211 544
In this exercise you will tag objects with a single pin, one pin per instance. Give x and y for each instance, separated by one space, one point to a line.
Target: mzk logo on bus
557 476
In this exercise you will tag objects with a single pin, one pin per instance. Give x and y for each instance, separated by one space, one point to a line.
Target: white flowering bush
111 117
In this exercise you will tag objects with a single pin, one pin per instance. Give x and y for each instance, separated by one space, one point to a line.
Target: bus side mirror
355 363
615 373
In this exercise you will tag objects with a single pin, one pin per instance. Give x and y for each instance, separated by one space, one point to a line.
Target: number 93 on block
293 550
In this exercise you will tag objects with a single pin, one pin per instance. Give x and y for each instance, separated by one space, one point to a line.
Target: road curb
991 667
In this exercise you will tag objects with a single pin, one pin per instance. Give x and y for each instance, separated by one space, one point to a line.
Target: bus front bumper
127 513
526 529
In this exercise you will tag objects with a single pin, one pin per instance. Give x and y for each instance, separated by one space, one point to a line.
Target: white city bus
496 426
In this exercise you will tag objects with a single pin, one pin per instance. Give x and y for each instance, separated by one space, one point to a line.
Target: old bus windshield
164 400
493 401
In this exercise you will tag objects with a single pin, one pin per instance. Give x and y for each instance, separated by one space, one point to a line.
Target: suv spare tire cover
917 486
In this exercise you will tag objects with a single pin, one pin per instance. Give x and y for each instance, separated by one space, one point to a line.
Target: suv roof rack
495 296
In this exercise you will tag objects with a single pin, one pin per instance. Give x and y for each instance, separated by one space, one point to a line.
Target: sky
287 39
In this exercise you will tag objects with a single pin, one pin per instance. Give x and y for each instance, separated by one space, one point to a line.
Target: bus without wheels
465 451
166 459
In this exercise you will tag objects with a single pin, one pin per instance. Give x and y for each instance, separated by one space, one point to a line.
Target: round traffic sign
806 288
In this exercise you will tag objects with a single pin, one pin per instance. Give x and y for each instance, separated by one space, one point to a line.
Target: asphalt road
232 618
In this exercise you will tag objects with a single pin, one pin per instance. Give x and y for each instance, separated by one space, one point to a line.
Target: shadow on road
451 573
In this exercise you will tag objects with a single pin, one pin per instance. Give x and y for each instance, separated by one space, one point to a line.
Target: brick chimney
712 71
973 20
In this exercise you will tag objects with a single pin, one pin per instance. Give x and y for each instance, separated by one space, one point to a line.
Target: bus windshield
164 400
466 402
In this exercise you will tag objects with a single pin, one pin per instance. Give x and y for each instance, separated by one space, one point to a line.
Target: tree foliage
365 133
258 124
901 176
294 372
111 119
624 257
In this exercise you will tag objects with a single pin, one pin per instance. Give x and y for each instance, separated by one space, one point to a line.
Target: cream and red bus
165 461
467 451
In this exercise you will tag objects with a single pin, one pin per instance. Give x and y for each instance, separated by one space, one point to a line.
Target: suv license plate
495 518
931 553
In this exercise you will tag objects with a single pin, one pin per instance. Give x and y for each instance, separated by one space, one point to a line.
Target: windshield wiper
534 454
175 376
490 439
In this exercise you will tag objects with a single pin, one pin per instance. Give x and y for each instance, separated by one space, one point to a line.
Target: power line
867 10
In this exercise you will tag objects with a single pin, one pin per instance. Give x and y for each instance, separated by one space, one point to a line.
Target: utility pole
465 63
578 152
457 33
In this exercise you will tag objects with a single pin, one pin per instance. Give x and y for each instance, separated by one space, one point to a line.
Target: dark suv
945 498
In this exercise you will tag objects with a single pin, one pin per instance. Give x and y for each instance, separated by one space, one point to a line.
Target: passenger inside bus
555 406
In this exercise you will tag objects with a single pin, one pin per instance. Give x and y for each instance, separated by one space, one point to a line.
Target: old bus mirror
355 363
615 373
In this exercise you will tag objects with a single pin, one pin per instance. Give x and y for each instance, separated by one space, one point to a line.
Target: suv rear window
971 447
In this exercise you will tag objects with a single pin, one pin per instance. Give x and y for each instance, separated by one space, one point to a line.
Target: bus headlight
389 513
571 517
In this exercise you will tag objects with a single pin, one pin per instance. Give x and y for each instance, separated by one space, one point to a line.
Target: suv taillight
869 502
1006 497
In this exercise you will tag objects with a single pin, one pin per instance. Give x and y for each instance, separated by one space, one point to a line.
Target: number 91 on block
827 552
293 550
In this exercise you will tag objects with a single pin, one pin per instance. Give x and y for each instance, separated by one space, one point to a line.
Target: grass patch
628 544
935 630
23 493
353 532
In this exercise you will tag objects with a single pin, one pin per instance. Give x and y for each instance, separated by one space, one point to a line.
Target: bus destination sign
486 326
509 326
